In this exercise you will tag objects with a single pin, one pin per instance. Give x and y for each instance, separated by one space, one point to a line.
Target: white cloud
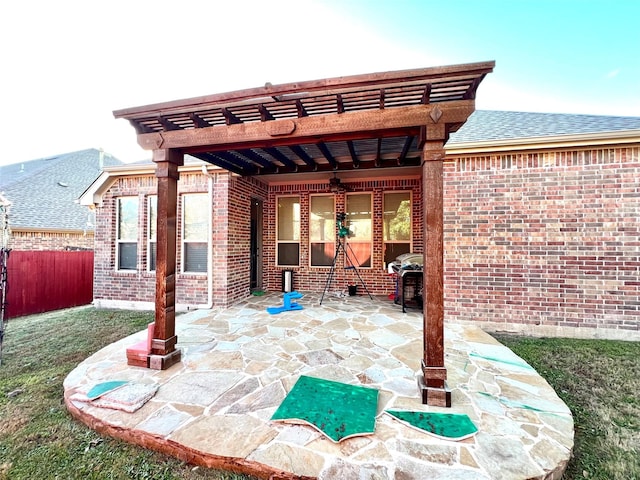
613 73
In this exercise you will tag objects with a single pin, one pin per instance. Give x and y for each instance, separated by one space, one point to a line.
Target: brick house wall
230 204
31 240
128 288
241 192
307 278
110 284
547 238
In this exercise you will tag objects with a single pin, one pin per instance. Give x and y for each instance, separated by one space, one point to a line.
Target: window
195 232
322 230
152 234
360 221
396 225
127 233
288 231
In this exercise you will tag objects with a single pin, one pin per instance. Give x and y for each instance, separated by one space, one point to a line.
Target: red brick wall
50 240
541 238
544 238
230 228
241 192
139 286
307 278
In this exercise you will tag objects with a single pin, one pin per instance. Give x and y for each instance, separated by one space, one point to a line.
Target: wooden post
434 373
163 348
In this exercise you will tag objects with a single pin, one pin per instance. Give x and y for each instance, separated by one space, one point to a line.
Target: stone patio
214 408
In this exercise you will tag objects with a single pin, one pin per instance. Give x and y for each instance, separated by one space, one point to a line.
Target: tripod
340 245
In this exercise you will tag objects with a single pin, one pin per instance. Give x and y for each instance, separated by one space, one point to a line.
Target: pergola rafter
390 119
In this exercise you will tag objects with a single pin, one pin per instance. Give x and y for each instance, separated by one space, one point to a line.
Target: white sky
65 65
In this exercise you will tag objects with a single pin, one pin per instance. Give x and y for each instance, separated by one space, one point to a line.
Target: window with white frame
360 222
127 233
322 230
195 232
396 225
152 233
288 231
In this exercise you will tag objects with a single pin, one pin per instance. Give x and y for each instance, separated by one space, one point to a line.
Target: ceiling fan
335 185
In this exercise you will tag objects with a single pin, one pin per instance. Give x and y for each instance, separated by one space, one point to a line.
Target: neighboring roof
93 194
489 129
44 192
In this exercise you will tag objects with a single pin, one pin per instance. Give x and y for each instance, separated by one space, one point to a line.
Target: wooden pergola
374 121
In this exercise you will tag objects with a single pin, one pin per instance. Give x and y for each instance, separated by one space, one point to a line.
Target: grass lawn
38 438
599 380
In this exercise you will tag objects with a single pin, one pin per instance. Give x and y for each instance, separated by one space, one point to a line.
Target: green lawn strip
38 438
599 380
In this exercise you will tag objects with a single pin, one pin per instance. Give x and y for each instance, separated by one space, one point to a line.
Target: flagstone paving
238 364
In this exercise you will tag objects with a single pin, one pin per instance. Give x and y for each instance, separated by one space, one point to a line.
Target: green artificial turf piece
102 388
336 409
449 426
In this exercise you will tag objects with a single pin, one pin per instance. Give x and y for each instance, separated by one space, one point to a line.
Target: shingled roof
43 192
491 125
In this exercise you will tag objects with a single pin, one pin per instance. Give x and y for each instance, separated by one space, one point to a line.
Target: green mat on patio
336 409
448 426
103 388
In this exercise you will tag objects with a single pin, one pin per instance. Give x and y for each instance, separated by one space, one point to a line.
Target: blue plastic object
287 304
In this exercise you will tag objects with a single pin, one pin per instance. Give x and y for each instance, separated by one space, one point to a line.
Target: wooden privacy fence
41 281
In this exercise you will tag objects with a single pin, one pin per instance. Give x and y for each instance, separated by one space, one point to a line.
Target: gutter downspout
210 181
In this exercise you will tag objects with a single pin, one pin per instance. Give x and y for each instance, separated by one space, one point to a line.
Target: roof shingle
487 125
43 192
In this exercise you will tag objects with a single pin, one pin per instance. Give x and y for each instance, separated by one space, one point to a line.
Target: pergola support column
163 348
432 381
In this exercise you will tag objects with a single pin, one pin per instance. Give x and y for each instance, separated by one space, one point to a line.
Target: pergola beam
307 129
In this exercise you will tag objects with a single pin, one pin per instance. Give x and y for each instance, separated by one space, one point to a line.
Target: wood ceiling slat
216 159
247 114
405 149
241 163
352 152
312 112
282 158
303 155
279 112
213 117
327 154
255 157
